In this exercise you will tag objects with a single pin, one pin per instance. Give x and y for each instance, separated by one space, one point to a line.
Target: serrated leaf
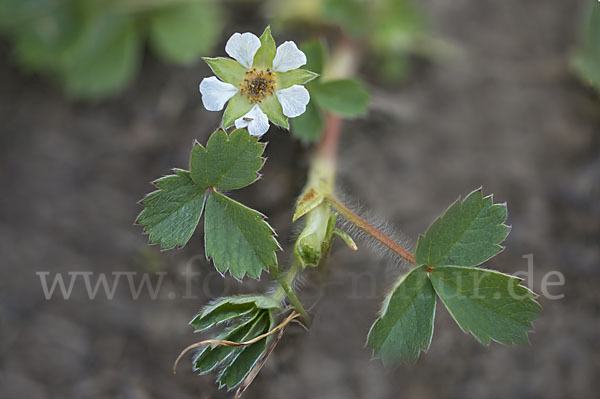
405 326
315 55
237 107
228 70
228 162
488 304
468 234
237 238
182 32
266 52
242 362
211 356
308 126
172 213
294 77
346 97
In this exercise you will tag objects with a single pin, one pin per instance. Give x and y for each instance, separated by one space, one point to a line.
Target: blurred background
98 98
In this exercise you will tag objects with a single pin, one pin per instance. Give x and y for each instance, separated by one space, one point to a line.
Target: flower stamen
258 84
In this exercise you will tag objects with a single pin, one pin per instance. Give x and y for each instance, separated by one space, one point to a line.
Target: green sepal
266 53
467 234
237 107
405 327
308 201
172 213
228 70
272 108
228 162
345 97
294 77
237 238
490 305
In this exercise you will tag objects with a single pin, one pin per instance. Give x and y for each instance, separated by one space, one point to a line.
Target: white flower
262 84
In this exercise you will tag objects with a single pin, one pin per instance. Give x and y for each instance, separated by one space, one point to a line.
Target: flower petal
288 57
293 100
255 120
243 47
216 93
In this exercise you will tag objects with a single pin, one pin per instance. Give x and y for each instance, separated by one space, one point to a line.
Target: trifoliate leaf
210 357
228 70
172 213
237 238
246 357
266 52
228 162
182 32
294 77
488 304
405 326
346 97
237 107
308 126
468 234
315 55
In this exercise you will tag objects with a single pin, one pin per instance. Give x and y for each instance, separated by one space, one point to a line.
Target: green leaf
228 162
585 61
172 213
488 304
272 108
586 64
237 238
105 57
227 308
468 234
224 312
308 126
315 55
211 356
242 362
182 32
266 53
405 326
228 70
237 107
346 97
294 77
43 31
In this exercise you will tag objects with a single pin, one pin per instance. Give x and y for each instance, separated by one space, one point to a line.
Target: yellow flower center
258 84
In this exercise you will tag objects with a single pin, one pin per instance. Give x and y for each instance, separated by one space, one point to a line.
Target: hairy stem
370 229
